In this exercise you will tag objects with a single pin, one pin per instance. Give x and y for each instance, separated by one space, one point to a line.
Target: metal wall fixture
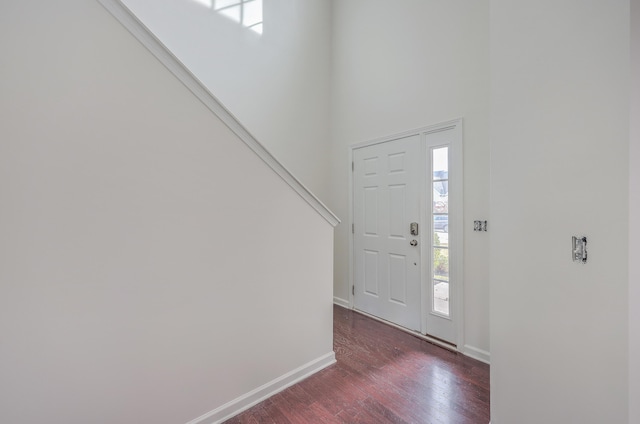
480 225
579 249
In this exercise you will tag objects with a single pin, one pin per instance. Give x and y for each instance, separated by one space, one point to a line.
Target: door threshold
440 343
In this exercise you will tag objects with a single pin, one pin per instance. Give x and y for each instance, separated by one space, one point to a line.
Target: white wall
150 264
634 213
276 84
399 67
559 167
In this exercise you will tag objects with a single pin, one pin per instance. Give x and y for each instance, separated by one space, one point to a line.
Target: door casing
455 220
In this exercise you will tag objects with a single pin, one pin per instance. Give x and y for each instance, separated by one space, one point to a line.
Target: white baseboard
475 353
341 302
256 396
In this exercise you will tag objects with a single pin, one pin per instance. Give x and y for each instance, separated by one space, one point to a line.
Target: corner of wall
634 213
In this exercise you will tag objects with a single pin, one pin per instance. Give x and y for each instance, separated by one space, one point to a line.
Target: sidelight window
440 230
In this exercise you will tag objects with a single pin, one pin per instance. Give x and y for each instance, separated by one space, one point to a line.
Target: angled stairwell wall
275 78
153 268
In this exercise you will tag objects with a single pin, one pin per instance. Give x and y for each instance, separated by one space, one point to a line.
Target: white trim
457 267
256 396
351 280
457 216
341 302
479 354
177 68
442 126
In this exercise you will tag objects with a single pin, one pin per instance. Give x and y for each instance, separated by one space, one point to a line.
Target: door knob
414 242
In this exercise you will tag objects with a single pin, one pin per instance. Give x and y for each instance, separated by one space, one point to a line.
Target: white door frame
455 216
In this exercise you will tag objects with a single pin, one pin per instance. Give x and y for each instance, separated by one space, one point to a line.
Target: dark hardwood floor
383 375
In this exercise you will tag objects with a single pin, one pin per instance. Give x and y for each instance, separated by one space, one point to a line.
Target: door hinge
353 166
353 290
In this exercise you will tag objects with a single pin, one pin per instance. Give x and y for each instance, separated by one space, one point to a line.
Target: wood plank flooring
383 375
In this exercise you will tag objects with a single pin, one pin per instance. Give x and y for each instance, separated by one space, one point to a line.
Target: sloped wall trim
256 396
173 64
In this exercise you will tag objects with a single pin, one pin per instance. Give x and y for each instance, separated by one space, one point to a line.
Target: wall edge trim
126 17
265 391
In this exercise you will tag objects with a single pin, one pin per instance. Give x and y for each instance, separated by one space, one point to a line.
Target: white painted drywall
634 220
559 167
276 84
151 265
403 66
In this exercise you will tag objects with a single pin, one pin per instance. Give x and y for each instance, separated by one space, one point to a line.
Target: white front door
386 255
413 280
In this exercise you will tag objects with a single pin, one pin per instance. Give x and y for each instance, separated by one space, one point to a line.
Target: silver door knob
414 242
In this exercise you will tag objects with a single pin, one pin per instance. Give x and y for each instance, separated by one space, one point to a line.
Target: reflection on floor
383 375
